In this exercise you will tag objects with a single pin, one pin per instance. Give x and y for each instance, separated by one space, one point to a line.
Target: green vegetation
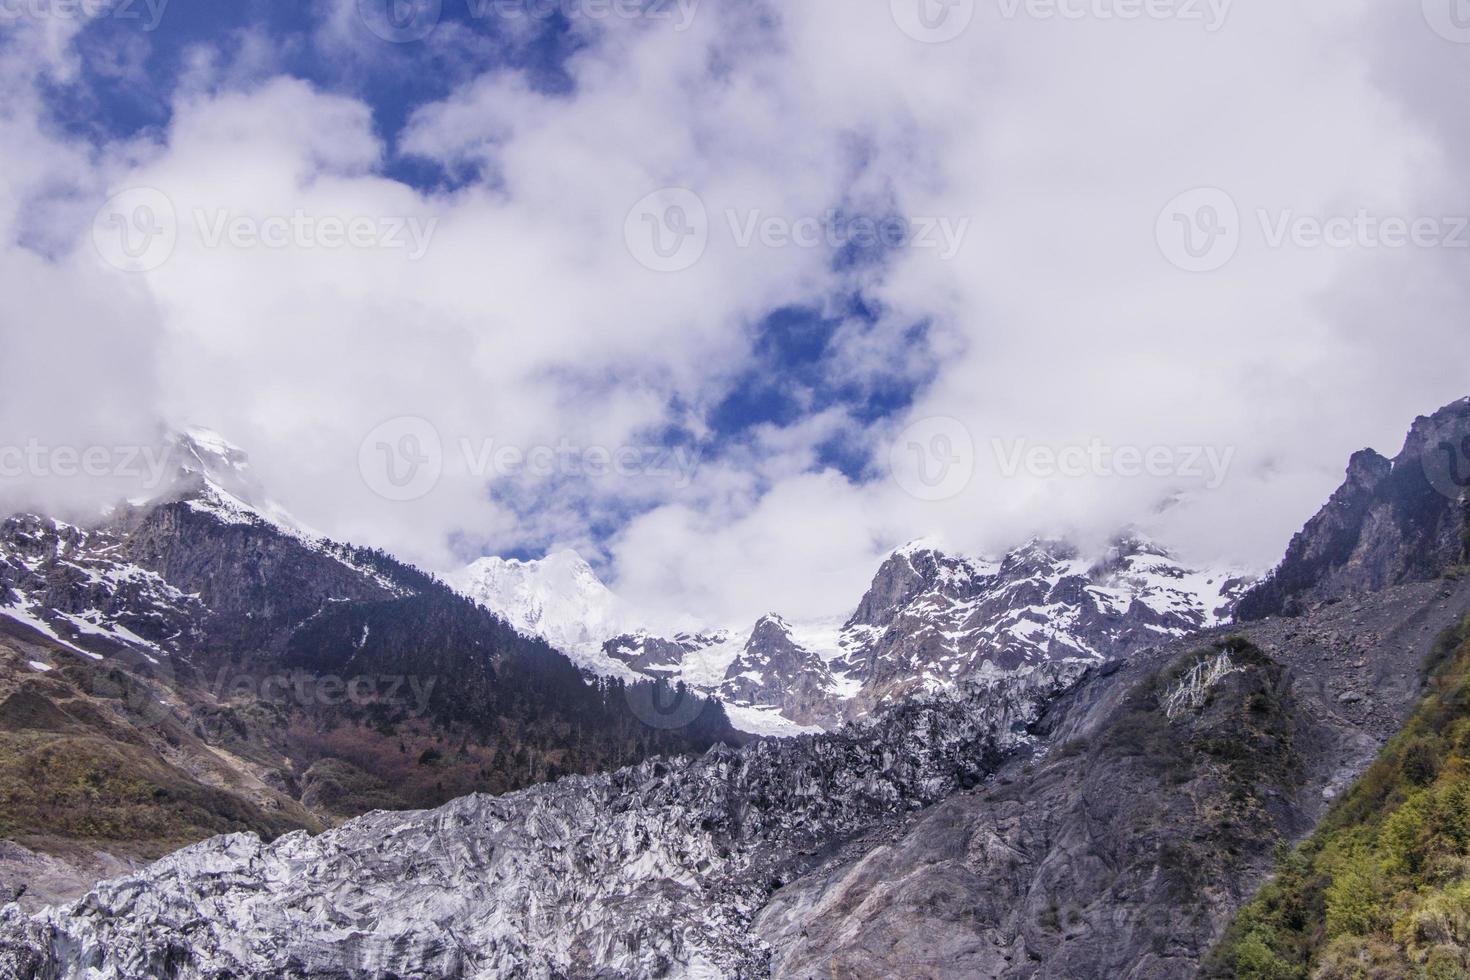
1382 890
120 797
1243 726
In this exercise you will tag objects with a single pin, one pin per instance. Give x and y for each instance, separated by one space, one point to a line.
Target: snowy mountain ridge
558 598
929 622
78 586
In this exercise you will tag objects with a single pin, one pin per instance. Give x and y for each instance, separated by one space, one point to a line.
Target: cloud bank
1013 340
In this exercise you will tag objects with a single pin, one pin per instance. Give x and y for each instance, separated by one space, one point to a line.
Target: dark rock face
1122 846
899 579
774 670
284 649
1390 522
656 655
931 619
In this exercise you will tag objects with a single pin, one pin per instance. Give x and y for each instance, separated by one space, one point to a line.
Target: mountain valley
1045 766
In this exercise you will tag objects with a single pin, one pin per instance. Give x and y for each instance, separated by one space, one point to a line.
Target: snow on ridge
558 598
24 613
212 442
227 508
976 608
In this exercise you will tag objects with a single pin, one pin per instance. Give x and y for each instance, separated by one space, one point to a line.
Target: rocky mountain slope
1079 816
930 621
1380 888
1150 811
1105 832
1166 782
201 647
1391 521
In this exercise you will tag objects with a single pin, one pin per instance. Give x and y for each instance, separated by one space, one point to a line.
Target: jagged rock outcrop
1151 811
774 670
655 655
1391 521
932 619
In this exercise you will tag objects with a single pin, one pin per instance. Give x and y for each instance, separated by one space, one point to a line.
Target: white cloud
527 321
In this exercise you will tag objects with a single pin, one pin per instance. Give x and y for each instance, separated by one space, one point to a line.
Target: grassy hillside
86 764
1382 890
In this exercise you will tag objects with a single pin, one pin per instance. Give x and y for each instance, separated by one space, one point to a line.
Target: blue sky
130 75
643 235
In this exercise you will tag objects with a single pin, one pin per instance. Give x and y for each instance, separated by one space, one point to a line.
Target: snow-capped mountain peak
558 598
929 621
200 459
